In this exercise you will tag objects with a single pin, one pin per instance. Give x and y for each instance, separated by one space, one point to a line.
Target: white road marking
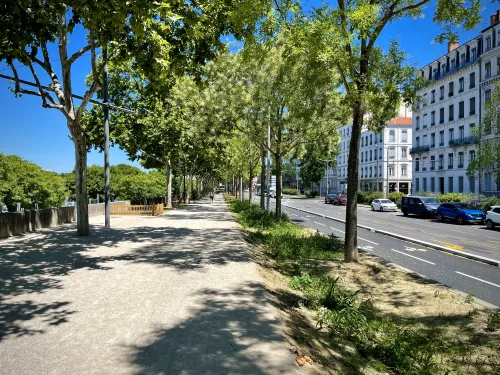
367 248
359 238
315 222
408 255
293 214
478 279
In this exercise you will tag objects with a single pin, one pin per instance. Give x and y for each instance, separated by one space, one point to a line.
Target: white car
383 205
493 217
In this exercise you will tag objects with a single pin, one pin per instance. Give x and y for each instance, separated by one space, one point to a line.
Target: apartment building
385 163
458 83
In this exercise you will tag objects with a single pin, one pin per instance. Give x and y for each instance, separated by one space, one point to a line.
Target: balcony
441 143
441 167
433 145
463 141
450 166
438 76
424 169
460 166
433 168
418 149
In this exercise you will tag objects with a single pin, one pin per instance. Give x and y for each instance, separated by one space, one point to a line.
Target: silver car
383 205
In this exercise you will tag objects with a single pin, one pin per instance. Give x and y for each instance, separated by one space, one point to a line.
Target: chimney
452 46
494 18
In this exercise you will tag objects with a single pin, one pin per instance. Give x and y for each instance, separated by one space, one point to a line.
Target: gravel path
174 294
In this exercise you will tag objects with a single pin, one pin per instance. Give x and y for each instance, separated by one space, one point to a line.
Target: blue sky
40 135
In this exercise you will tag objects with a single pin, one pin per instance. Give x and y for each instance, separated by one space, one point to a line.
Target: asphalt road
469 238
479 279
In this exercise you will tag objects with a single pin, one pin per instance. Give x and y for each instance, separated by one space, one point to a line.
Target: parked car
329 198
493 217
424 206
384 205
340 199
461 212
272 192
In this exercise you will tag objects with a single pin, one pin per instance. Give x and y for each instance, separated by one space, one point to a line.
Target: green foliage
312 193
313 164
27 183
396 197
493 323
290 191
453 197
366 197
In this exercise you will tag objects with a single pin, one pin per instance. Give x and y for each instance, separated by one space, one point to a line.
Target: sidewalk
173 294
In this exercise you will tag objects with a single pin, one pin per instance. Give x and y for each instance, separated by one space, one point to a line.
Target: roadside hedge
312 193
290 191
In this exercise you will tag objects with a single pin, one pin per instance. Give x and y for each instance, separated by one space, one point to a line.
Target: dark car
424 206
329 198
461 212
340 199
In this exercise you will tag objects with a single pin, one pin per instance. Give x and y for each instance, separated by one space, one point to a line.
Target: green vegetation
312 193
27 183
290 191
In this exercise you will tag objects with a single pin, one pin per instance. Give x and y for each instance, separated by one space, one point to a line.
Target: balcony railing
424 169
441 167
463 141
414 150
460 166
450 166
438 76
433 145
433 168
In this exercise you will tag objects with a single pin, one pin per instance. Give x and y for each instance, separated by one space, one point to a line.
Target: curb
478 258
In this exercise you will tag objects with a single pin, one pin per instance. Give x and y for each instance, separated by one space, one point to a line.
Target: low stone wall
12 223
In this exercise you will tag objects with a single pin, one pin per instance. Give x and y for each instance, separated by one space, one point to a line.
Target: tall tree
373 79
159 37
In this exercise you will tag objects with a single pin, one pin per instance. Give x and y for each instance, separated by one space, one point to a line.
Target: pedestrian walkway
172 294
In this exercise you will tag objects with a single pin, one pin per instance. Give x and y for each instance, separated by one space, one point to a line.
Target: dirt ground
397 294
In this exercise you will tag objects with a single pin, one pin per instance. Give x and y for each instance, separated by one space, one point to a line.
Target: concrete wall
12 223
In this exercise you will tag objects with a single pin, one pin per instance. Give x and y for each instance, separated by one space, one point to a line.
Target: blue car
461 212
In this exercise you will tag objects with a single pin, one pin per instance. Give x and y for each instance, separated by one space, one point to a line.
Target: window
371 174
417 141
361 172
366 155
375 154
424 121
433 118
461 184
473 54
441 138
380 153
417 165
366 141
451 109
433 184
451 136
450 184
472 106
433 139
487 70
424 140
461 132
498 65
441 161
487 96
370 156
403 170
404 152
472 80
371 139
391 170
472 182
424 100
424 184
462 59
433 96
392 152
487 181
488 43
433 162
441 115
461 85
450 161
417 123
472 155
460 160
417 187
461 109
472 127
392 136
404 135
362 141
441 93
362 157
380 171
381 137
450 89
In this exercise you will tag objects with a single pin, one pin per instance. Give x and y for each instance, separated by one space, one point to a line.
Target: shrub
453 197
485 205
312 193
290 191
366 197
396 197
493 323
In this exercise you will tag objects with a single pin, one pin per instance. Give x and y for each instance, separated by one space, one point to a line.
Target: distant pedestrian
211 197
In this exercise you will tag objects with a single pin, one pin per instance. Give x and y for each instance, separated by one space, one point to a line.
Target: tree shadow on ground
37 264
231 333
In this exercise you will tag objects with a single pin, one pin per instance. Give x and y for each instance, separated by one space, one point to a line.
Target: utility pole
107 219
268 174
386 192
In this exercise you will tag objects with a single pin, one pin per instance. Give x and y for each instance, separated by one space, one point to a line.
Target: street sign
297 170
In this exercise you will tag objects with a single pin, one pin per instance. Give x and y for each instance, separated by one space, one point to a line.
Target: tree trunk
278 184
351 224
250 178
241 187
262 179
184 192
169 183
82 208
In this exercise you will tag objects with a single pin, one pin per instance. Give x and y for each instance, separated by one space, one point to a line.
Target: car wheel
440 217
490 224
381 209
373 209
460 220
405 213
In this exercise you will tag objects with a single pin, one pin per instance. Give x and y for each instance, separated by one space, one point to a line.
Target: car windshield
464 206
385 201
430 200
